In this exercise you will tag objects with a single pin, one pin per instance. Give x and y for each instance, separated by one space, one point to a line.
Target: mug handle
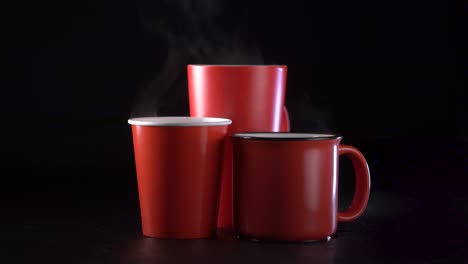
285 125
362 184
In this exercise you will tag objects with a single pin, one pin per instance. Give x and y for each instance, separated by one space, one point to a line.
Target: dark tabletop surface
417 213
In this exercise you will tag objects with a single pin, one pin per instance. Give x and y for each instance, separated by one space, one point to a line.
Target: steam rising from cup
196 32
208 32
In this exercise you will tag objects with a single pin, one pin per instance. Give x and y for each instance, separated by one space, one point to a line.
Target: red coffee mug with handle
252 96
285 185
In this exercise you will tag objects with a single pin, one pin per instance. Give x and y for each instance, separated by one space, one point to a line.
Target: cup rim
239 65
285 136
178 121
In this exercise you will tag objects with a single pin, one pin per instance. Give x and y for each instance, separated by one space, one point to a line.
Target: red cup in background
252 96
285 185
178 164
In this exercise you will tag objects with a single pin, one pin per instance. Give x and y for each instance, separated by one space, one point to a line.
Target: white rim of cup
179 121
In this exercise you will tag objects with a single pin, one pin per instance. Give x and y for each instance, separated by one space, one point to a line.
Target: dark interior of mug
284 136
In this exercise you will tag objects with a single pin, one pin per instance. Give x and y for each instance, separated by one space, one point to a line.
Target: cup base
211 236
180 238
308 241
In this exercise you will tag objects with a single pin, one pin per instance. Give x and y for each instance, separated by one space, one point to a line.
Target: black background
387 75
368 70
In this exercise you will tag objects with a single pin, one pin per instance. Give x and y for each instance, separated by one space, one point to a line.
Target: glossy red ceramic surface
179 173
287 189
251 96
